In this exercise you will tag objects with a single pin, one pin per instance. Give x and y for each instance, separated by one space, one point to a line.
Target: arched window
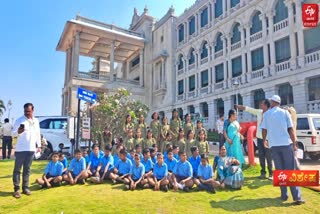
218 8
192 57
312 39
219 43
314 89
204 50
180 65
234 2
281 12
285 93
258 95
236 35
256 24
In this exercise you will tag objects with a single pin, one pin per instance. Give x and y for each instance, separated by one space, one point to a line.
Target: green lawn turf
257 196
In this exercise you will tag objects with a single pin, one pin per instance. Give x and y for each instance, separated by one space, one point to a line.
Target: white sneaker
181 186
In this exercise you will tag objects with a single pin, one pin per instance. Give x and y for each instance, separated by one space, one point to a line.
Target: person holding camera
27 129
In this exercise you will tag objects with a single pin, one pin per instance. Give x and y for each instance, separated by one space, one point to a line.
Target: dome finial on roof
145 9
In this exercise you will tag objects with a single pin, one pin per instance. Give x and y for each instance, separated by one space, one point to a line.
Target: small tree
111 111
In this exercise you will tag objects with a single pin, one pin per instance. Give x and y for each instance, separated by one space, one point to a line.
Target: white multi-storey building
217 53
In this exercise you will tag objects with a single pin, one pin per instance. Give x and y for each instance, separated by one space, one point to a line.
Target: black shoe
26 192
164 188
262 176
284 198
299 202
82 181
186 189
212 190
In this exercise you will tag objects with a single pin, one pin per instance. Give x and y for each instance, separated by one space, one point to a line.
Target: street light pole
236 85
9 106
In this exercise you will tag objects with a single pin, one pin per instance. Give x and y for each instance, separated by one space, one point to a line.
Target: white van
308 134
54 131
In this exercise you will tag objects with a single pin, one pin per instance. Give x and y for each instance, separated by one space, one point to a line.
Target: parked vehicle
308 135
53 129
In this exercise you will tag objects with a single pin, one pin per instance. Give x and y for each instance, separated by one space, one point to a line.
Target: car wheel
245 147
314 157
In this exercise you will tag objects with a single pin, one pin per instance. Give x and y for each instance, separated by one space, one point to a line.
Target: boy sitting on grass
77 172
148 165
94 161
122 168
171 163
205 179
136 174
52 175
182 172
64 161
105 167
160 173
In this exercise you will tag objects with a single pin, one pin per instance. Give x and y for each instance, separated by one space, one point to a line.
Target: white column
263 20
270 91
270 15
141 78
113 77
209 13
300 34
247 29
213 11
76 51
300 95
293 48
186 87
247 101
242 28
224 8
227 105
211 116
213 73
228 7
209 78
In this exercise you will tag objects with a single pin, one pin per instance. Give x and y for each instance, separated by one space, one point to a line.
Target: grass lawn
257 196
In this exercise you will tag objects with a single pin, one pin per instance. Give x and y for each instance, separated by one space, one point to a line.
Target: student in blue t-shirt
205 179
122 168
175 150
148 165
105 167
94 161
171 163
136 174
153 153
52 175
77 170
182 172
160 174
194 160
64 161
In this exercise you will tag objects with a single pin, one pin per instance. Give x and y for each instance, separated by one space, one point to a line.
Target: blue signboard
86 95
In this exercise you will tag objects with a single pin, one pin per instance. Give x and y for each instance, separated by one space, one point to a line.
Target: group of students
137 168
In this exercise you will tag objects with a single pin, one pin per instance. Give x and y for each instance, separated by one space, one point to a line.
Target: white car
54 131
308 134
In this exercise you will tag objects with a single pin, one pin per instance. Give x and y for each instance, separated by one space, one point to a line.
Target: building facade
222 52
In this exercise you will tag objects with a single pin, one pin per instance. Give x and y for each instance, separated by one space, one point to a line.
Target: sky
30 67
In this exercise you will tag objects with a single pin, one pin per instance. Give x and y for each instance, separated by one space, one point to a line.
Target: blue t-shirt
176 156
154 159
115 158
148 165
95 160
195 164
160 171
171 163
123 166
137 172
87 158
54 169
183 169
76 166
105 160
205 172
65 162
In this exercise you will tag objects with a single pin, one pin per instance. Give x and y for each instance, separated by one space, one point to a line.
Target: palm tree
2 107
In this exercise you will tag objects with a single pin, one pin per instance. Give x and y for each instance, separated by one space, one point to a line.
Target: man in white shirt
219 125
277 125
5 132
27 129
264 153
